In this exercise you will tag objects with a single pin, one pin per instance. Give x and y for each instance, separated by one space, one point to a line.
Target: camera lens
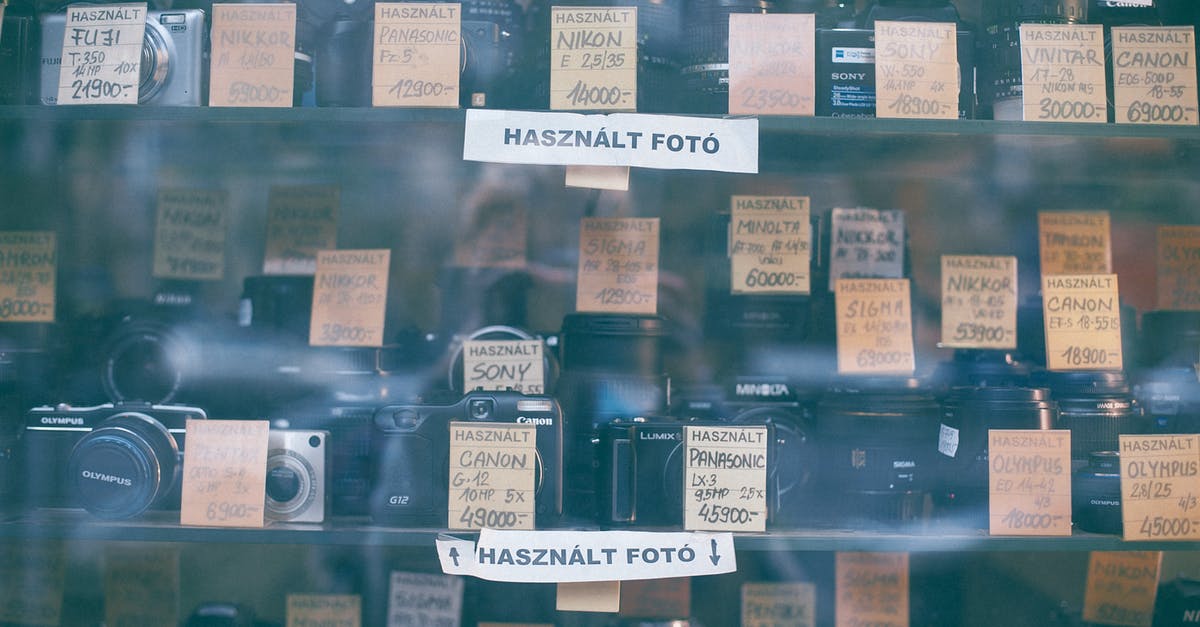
480 409
706 51
157 56
144 362
1000 48
491 52
791 476
283 484
277 303
124 466
1096 407
1096 494
1170 399
291 485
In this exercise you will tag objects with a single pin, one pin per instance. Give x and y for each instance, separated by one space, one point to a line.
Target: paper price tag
872 589
224 473
492 468
141 585
916 70
253 55
615 177
1029 482
1082 315
588 596
979 301
102 54
495 237
349 297
866 243
34 574
593 58
423 599
725 478
301 220
1062 71
769 247
874 326
1160 487
340 610
28 281
791 604
1179 267
1154 74
1074 242
656 598
618 265
417 54
1121 587
772 64
504 364
189 234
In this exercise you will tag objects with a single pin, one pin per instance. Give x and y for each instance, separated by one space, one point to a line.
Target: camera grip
624 487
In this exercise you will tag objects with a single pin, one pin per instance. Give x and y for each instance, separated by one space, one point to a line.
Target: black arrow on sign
715 558
454 555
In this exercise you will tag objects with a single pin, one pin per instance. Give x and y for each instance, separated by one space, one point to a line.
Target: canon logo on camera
1126 4
99 476
540 422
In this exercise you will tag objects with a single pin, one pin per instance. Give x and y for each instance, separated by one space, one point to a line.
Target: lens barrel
999 80
706 51
1096 494
1096 407
124 466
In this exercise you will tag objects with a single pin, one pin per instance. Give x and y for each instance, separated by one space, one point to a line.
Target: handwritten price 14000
583 94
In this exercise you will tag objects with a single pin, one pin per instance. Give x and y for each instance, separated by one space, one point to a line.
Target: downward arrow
715 558
454 555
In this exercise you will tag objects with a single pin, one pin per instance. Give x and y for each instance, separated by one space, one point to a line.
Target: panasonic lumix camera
296 466
411 454
173 57
115 461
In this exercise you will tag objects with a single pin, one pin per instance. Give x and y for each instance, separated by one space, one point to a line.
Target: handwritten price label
769 248
340 610
189 234
225 473
417 54
301 219
872 589
141 585
874 326
866 243
1160 487
1062 71
1154 74
1029 482
1121 586
725 478
618 265
424 599
1179 267
29 276
979 301
593 58
102 54
504 365
916 70
253 55
492 468
349 297
790 604
1082 317
772 64
1075 242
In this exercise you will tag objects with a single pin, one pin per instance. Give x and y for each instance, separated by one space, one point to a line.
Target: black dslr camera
413 440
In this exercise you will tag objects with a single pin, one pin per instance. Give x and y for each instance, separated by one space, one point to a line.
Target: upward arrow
715 558
454 555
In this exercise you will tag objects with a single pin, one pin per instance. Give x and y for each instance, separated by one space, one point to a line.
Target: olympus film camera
411 450
173 57
296 489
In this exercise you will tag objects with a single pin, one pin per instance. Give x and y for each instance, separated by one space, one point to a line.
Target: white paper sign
424 599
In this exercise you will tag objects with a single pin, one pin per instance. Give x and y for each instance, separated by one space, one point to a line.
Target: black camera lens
1170 399
283 483
144 362
706 51
492 32
124 466
340 32
1096 407
999 79
280 303
1096 494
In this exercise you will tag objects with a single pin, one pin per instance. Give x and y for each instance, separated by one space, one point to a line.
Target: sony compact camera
296 465
115 461
173 57
410 461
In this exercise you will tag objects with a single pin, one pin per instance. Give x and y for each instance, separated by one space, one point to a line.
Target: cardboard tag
916 70
1121 586
874 326
141 585
772 64
349 297
34 574
1179 267
417 54
253 55
301 219
618 265
872 589
866 243
769 247
340 610
1029 482
102 54
725 478
657 598
29 277
1154 74
1074 242
588 596
1082 314
1062 73
224 473
593 58
492 478
189 234
495 237
788 604
504 364
615 178
1160 487
424 599
979 301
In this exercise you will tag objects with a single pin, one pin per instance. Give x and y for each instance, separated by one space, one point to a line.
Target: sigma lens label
1074 242
769 248
492 474
349 297
979 301
866 243
772 64
324 609
916 70
422 598
1029 482
253 55
874 326
141 584
1062 73
1179 267
768 604
1154 75
28 276
301 219
872 589
102 54
189 234
725 478
418 54
1160 487
504 365
618 265
593 58
1083 322
1121 587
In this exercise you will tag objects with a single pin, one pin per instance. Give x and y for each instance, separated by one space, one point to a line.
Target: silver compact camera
296 476
173 57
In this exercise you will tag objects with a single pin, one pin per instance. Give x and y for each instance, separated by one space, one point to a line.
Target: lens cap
123 467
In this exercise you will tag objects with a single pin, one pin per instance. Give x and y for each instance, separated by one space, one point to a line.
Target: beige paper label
335 610
593 58
1160 487
725 479
253 55
916 70
866 243
769 247
1029 482
224 473
588 596
874 326
349 297
1062 73
495 238
979 301
503 365
102 54
34 574
417 54
28 277
141 585
1154 74
301 219
615 177
772 64
872 589
1179 267
657 598
790 604
492 468
1121 586
1082 315
424 599
618 265
189 234
1074 242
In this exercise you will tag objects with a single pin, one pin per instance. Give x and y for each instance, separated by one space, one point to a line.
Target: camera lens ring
159 350
158 53
124 466
306 490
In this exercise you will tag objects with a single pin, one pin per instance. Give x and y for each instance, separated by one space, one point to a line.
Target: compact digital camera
296 466
411 449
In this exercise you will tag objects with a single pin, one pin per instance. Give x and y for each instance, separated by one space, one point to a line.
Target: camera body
411 440
174 58
296 476
19 82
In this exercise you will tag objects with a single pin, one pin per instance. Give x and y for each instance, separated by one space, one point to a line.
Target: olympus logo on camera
62 420
662 435
540 422
99 476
